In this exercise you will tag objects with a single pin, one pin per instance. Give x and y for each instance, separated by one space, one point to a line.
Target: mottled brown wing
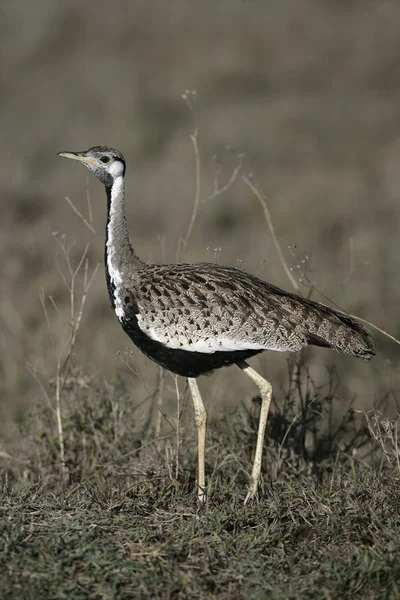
206 307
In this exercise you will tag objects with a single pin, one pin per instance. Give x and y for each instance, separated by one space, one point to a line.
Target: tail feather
332 328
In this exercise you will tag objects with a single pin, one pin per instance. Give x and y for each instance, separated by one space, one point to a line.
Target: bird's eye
105 159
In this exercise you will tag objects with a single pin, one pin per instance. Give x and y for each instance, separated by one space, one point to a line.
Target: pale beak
79 156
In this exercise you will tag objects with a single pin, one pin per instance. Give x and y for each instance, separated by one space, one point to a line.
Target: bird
197 317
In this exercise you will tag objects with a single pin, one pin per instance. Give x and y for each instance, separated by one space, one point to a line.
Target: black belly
182 362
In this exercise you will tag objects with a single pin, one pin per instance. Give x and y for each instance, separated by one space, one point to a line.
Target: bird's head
105 162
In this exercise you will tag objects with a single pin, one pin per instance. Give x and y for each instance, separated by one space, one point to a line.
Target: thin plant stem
80 215
218 191
183 242
391 337
263 201
64 469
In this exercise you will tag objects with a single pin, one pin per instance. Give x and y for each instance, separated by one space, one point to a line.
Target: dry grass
126 524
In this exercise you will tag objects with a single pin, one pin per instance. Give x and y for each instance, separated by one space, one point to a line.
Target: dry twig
263 201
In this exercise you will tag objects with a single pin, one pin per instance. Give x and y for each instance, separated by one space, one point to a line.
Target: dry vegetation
291 173
125 523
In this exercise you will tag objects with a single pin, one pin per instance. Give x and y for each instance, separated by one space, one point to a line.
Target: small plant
386 434
78 281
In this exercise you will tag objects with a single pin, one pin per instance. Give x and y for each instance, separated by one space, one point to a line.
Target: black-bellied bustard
193 318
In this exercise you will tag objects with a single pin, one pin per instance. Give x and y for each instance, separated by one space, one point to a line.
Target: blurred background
308 91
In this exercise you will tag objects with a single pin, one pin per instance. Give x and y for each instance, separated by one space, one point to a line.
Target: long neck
120 258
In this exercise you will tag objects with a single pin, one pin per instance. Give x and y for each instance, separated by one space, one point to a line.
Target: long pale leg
200 415
266 394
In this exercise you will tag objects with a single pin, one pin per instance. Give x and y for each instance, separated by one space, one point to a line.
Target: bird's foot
201 496
252 495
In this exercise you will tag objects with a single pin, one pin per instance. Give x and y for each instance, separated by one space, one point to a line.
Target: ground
123 520
338 538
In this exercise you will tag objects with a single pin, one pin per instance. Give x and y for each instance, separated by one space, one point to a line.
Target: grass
334 539
326 525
